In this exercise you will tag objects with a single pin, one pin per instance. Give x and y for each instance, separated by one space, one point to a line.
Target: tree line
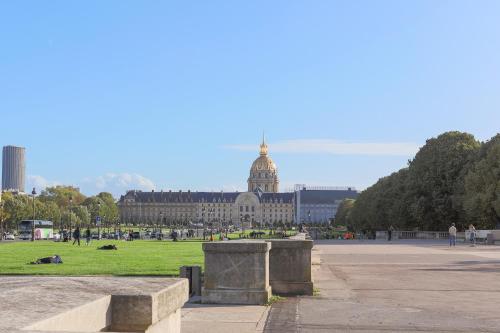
60 204
453 178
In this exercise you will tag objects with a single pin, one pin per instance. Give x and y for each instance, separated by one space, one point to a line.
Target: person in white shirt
472 232
453 234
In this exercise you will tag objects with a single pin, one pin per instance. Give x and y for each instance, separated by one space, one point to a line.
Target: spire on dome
263 146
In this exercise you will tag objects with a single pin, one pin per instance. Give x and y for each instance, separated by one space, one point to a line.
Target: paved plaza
398 287
363 287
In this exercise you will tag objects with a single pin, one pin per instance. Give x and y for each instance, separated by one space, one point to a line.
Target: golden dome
263 162
263 173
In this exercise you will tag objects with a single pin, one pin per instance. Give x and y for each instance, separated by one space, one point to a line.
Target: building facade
13 168
263 205
316 204
243 209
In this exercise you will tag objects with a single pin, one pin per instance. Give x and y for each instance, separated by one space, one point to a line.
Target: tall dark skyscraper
13 168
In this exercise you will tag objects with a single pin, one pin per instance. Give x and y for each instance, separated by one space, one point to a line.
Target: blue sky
111 95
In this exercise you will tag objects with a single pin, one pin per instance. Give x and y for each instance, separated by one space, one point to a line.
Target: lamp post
70 222
98 222
203 221
33 222
1 216
211 211
161 221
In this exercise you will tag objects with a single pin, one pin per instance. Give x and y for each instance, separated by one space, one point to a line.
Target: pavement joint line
263 318
393 328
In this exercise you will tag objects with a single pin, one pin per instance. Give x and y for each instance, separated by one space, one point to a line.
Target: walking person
389 233
472 236
76 236
87 237
452 231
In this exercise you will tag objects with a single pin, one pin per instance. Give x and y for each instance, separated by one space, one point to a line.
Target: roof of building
286 196
187 197
326 196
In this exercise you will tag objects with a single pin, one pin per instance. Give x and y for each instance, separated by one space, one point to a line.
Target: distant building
13 168
319 204
216 208
262 205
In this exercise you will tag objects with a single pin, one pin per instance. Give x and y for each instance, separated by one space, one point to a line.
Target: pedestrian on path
389 233
472 236
76 236
453 234
87 236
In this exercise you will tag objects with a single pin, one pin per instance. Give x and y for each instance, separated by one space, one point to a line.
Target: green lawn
131 258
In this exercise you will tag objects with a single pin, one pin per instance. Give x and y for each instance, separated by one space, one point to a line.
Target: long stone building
262 205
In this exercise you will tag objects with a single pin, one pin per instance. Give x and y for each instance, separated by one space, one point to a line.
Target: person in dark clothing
76 236
87 236
389 233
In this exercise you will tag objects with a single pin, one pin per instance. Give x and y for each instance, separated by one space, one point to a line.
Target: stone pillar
290 267
236 272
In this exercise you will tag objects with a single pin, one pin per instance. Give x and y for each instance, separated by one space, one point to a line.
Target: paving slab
223 318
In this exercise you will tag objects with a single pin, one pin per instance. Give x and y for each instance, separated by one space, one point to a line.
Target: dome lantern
263 147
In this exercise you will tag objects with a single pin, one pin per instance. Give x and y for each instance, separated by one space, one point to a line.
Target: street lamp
203 221
161 221
211 211
33 222
1 216
98 222
70 222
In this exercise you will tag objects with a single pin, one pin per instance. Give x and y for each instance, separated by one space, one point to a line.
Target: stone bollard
193 274
236 272
290 267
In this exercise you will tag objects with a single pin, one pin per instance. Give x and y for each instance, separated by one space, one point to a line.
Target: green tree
436 180
482 185
61 195
343 212
383 204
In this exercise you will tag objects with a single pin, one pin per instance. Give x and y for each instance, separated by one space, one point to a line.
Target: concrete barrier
290 267
150 312
236 272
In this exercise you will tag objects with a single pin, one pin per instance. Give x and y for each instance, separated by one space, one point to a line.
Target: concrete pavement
223 318
396 287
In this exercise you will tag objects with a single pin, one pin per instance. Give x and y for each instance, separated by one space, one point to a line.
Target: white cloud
39 182
119 183
329 146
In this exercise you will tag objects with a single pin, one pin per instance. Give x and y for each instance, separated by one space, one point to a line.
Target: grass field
131 258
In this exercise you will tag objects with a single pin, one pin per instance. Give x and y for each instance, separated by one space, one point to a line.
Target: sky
118 95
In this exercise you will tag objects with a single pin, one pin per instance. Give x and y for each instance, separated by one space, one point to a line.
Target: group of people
77 235
452 231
